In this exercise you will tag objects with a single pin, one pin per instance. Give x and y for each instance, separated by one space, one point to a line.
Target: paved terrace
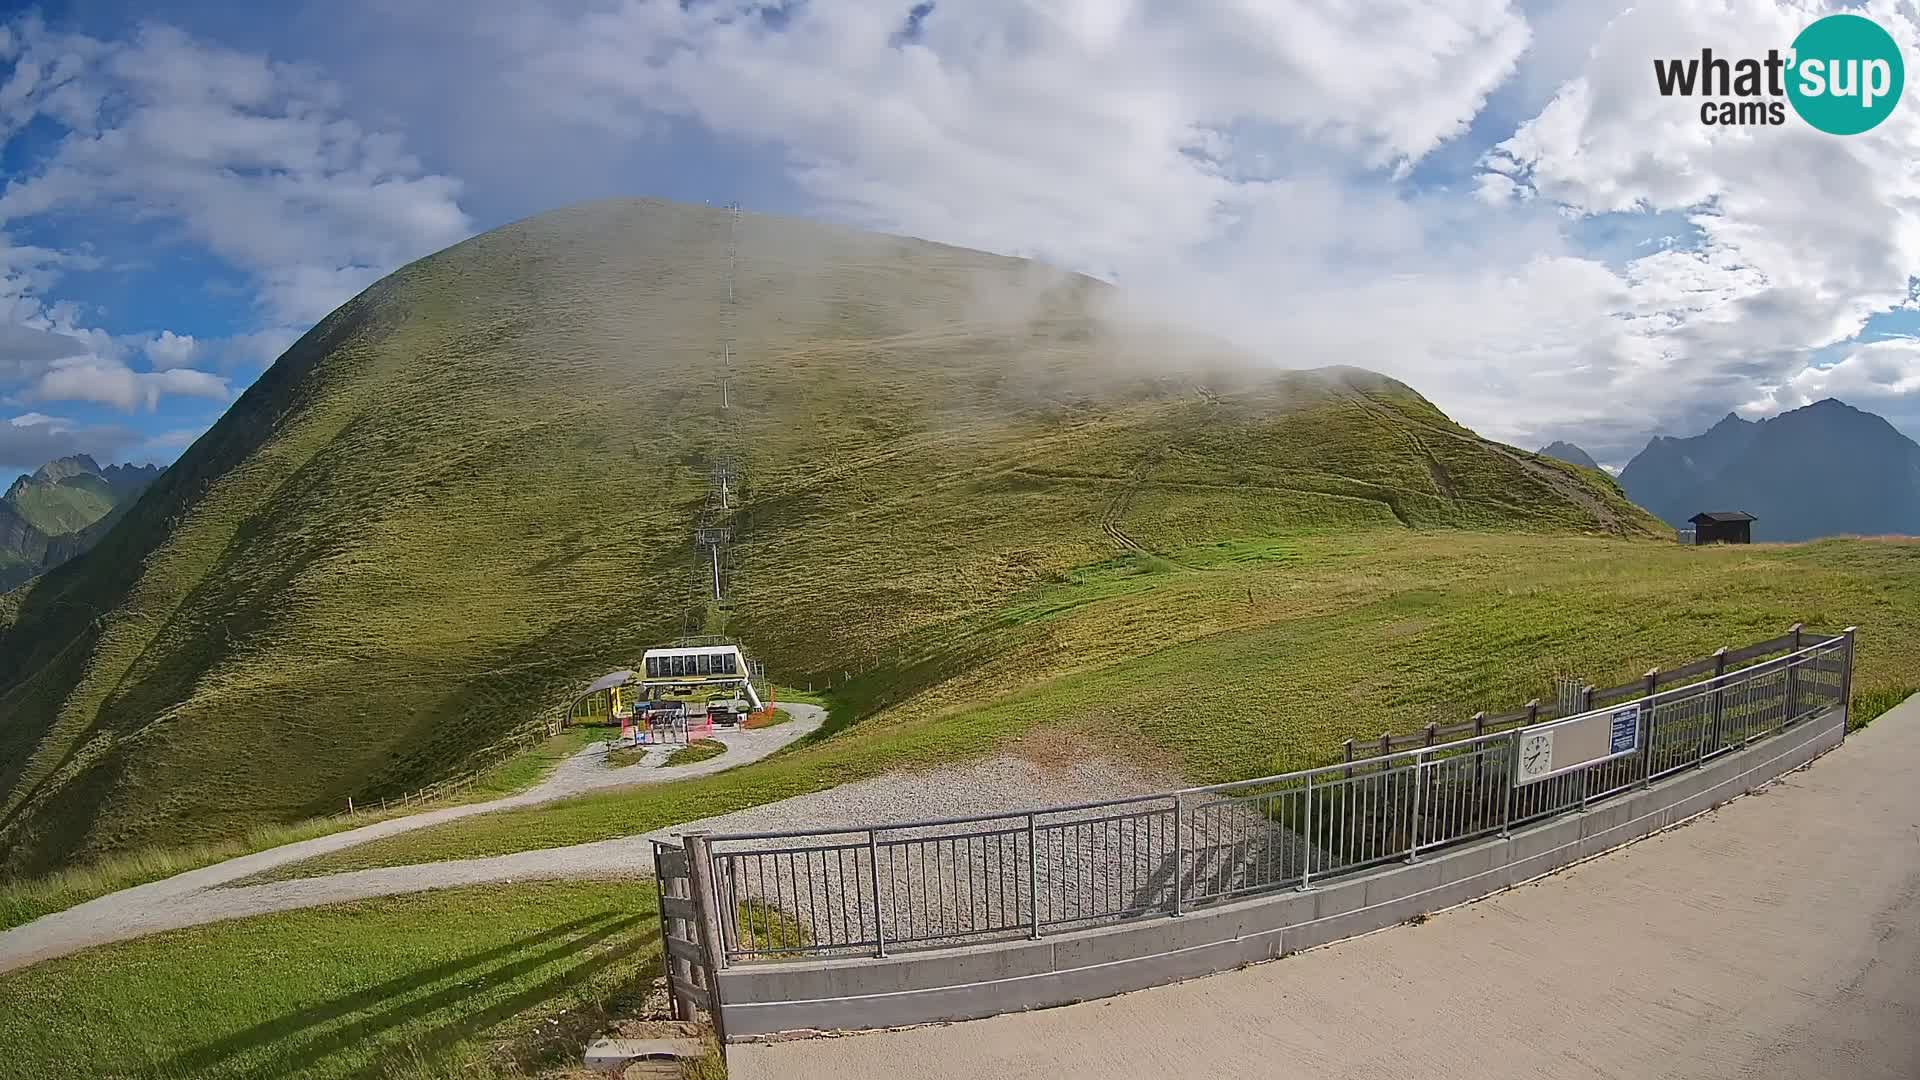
1776 936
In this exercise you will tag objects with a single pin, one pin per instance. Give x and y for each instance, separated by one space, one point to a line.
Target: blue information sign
1626 730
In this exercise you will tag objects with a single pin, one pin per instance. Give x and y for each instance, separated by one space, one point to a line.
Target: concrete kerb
982 980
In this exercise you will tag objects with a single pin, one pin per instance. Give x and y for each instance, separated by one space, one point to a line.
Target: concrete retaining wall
984 980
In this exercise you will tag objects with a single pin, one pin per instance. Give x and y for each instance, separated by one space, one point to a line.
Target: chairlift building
697 666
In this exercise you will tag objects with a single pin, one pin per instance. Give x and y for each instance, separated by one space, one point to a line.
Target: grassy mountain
470 489
55 513
1569 453
1827 469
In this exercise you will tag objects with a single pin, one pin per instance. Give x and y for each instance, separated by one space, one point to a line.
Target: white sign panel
1536 756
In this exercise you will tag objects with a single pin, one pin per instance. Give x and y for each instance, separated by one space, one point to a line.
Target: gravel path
196 897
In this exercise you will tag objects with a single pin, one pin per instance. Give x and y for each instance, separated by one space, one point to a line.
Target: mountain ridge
55 512
1569 453
1824 469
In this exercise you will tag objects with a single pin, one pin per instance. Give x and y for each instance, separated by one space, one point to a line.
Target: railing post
1793 679
1646 729
1413 817
1513 774
1586 698
873 860
680 1010
1479 751
700 878
1846 683
1306 868
1386 743
1719 698
1179 854
1033 882
1347 749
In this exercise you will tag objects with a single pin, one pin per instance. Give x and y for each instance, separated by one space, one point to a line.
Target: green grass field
475 982
698 750
1267 662
23 900
468 492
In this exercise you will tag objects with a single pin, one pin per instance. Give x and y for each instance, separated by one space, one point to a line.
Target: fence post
1846 683
667 960
1413 816
1033 883
1513 775
1533 711
1646 729
1586 698
873 860
1719 697
1793 679
1479 751
1347 749
1306 868
1386 743
700 878
1179 854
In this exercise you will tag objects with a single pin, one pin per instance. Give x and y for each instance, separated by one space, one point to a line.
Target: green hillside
471 488
60 510
67 505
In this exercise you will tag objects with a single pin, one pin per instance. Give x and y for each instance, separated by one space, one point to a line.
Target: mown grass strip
475 982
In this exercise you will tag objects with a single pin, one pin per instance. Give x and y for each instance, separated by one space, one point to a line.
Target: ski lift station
680 670
676 670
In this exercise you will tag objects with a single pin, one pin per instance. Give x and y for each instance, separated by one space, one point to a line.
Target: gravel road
195 897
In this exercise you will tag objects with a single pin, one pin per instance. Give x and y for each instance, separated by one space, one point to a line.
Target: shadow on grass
390 1005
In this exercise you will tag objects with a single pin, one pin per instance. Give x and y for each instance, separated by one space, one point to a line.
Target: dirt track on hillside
195 897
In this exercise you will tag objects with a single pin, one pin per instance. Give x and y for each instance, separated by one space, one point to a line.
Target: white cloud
108 382
1873 373
249 158
30 440
171 350
1093 134
1240 163
1801 236
41 420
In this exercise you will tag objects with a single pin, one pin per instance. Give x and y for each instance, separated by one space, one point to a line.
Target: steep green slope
471 488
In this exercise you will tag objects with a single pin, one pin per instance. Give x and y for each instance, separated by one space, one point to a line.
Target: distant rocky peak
60 468
1561 450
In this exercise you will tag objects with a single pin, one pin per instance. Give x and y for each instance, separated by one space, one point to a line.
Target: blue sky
1483 198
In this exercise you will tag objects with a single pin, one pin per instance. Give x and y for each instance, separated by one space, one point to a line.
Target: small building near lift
1723 527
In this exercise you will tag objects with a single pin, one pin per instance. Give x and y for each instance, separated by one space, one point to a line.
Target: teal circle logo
1846 75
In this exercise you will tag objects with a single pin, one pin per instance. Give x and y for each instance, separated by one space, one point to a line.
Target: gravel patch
992 786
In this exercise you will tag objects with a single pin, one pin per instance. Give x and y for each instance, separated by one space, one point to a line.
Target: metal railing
991 877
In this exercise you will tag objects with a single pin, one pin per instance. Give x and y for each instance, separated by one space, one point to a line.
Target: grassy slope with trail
23 901
1271 652
476 983
468 491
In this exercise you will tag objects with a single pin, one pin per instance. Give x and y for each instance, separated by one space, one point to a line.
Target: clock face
1536 755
